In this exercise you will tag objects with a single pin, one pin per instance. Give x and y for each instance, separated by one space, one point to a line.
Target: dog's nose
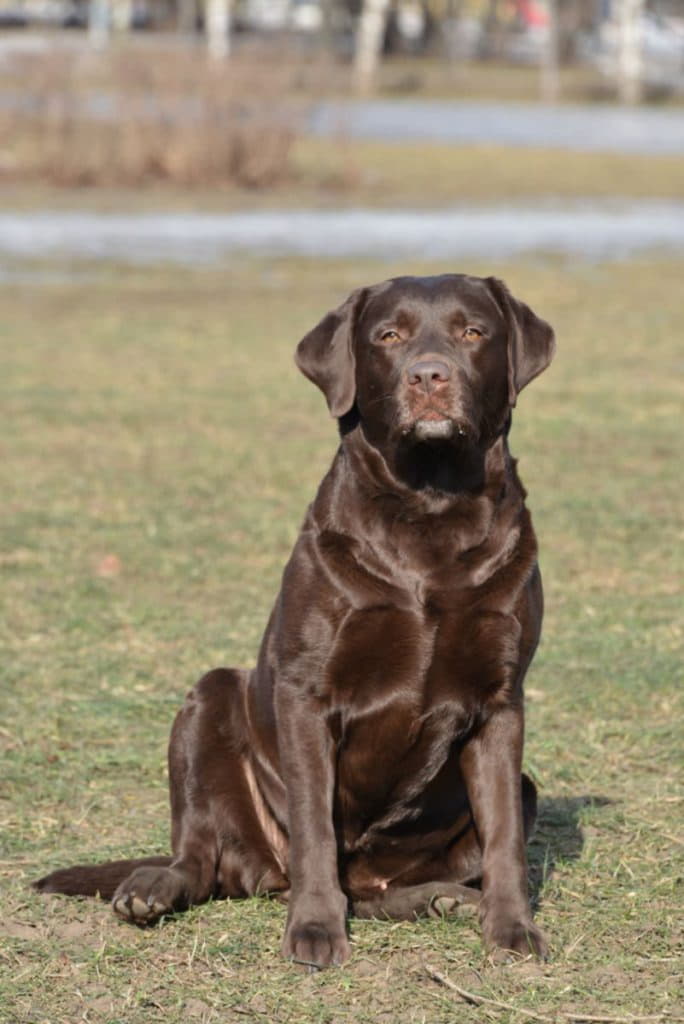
429 373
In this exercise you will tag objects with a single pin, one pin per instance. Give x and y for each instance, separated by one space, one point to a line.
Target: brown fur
373 756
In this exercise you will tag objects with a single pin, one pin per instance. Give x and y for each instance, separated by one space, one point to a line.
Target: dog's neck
430 474
486 501
441 467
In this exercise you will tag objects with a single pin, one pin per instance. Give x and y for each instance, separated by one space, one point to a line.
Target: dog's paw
316 944
147 894
452 899
449 906
506 940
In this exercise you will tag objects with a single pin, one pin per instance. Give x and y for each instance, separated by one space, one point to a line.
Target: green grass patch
430 174
157 455
325 173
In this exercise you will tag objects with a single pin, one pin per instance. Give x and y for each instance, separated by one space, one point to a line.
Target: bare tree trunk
450 29
217 26
327 36
99 27
369 39
187 17
550 80
629 50
122 15
491 40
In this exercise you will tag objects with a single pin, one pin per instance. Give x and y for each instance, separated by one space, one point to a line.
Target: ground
158 452
339 173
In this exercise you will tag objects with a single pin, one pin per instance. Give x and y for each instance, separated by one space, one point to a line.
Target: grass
350 173
158 451
430 77
425 175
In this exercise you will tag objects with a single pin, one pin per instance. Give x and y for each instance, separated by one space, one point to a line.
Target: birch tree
217 27
99 24
369 39
629 56
550 76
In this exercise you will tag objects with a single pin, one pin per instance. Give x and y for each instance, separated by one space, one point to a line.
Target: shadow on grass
557 837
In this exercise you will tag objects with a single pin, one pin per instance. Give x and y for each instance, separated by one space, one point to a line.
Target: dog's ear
531 341
326 356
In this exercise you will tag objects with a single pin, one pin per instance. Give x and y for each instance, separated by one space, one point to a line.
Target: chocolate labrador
371 762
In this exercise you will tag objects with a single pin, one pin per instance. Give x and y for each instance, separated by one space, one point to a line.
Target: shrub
132 116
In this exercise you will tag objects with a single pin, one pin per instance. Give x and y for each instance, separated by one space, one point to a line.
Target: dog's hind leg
406 902
464 860
221 847
465 855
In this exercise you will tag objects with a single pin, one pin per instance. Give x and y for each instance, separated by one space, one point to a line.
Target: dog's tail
95 879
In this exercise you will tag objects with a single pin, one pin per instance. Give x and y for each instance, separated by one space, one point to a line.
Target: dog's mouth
435 417
435 428
432 425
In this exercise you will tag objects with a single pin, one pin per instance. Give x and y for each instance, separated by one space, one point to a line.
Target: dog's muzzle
435 430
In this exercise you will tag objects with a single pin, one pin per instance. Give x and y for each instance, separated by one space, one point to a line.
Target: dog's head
427 359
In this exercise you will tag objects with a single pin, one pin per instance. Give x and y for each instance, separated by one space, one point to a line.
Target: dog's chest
388 759
406 688
423 656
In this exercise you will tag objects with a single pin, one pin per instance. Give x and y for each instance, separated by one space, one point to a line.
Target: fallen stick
569 1015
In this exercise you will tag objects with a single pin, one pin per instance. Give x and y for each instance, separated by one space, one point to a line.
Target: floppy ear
531 341
325 355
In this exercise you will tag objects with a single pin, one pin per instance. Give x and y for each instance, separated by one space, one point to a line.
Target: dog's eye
390 336
472 333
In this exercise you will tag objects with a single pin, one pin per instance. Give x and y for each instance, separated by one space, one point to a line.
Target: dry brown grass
131 117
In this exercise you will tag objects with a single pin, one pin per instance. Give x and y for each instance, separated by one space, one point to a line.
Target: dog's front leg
491 762
316 931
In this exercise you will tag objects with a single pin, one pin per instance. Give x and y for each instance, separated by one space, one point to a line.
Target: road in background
600 128
582 230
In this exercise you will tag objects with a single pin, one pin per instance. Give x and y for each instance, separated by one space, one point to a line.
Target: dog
371 762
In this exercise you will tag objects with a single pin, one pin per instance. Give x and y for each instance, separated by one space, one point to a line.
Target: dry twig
568 1015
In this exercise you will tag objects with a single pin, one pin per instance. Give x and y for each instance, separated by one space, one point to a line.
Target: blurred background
386 107
185 189
234 92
